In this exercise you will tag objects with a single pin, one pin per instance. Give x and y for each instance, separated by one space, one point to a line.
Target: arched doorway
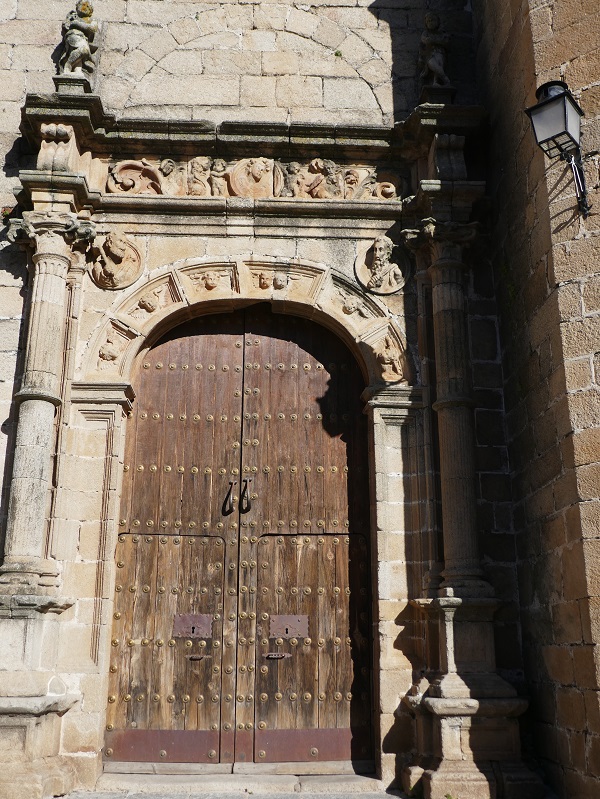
241 626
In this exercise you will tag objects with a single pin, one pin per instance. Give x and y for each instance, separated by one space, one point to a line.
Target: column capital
445 240
51 234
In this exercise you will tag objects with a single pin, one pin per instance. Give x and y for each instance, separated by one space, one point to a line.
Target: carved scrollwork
377 272
118 263
134 177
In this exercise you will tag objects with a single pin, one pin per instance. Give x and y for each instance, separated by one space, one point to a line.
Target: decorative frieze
254 178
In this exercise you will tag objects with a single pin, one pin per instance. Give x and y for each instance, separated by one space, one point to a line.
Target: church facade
300 379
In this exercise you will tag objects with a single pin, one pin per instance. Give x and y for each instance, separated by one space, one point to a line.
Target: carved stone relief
112 348
391 356
377 272
152 300
254 178
213 279
118 263
134 177
58 149
279 279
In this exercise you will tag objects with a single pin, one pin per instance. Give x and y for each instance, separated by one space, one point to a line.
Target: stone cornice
102 132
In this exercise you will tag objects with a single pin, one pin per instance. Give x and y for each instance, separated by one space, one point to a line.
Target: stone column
462 567
466 715
26 569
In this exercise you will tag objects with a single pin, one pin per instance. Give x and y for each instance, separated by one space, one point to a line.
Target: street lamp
556 120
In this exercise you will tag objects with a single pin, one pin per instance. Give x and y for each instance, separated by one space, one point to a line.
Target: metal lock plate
192 625
288 627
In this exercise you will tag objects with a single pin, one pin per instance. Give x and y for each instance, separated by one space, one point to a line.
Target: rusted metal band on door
162 746
277 746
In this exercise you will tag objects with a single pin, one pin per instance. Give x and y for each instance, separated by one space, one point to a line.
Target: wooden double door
241 627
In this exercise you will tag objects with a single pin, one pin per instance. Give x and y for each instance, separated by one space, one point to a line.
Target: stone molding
204 285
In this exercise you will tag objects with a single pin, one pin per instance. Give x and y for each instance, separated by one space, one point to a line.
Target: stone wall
546 263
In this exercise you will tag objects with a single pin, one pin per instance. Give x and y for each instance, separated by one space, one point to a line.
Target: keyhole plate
288 627
192 625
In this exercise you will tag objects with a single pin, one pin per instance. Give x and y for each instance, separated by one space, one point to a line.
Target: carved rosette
118 263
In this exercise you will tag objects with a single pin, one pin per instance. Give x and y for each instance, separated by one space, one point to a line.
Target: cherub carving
210 279
150 302
218 178
392 361
296 181
434 47
118 264
79 32
277 280
352 304
199 176
110 351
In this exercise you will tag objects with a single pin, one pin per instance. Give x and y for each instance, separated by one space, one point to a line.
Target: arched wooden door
241 624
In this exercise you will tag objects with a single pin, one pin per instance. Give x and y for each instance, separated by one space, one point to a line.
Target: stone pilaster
26 570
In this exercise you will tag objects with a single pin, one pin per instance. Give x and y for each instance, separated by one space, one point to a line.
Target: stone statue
434 48
79 31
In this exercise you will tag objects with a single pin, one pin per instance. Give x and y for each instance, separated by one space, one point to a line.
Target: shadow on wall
406 20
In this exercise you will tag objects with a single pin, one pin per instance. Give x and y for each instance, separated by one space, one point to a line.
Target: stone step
232 786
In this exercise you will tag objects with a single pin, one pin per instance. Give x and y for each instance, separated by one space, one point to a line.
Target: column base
40 779
29 586
471 780
470 749
33 573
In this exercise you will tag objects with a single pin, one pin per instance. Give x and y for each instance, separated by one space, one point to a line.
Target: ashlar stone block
301 22
280 63
296 91
226 62
184 30
258 91
348 93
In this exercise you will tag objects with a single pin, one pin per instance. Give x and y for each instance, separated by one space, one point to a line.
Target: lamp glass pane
548 119
573 122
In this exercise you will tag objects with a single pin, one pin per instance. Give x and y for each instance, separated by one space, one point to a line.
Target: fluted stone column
26 569
462 570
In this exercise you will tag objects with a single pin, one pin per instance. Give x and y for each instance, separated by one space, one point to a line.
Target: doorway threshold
219 781
341 767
